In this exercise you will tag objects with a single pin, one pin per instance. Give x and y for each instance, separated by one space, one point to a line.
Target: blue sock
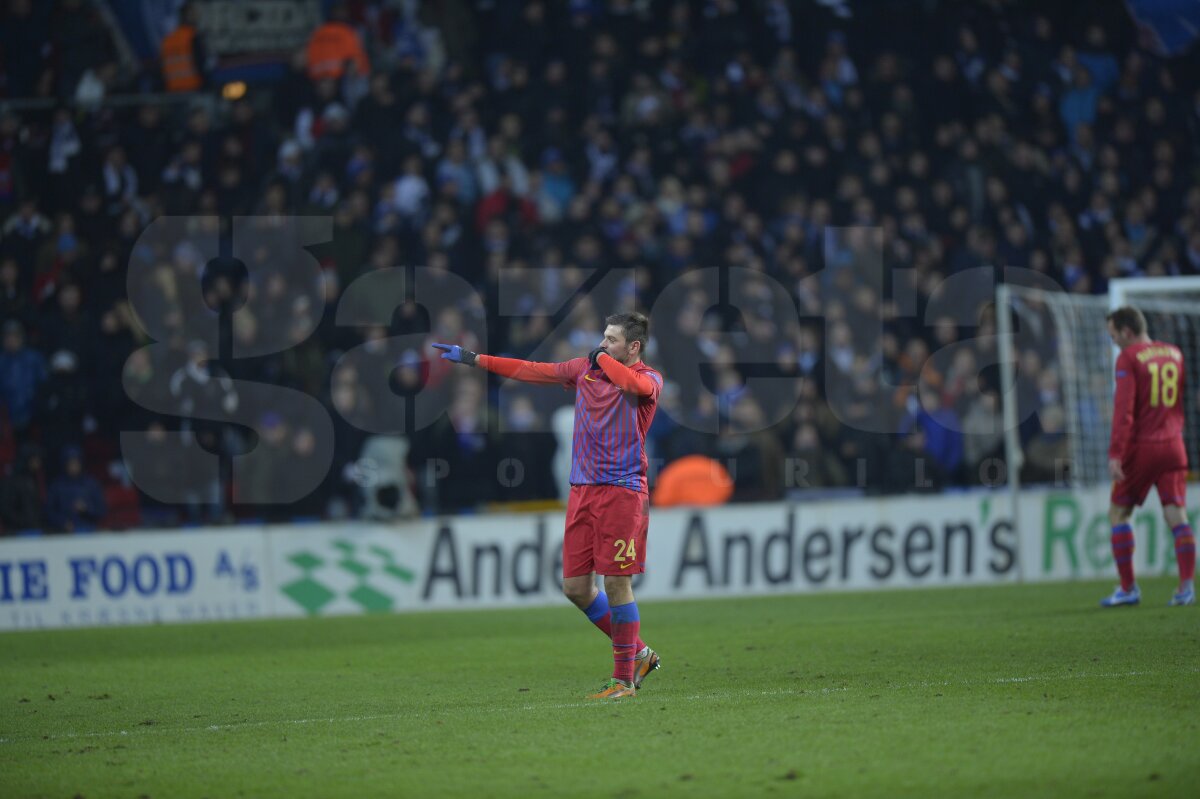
624 614
599 607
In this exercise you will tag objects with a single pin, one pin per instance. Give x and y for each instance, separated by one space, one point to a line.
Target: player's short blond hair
1129 318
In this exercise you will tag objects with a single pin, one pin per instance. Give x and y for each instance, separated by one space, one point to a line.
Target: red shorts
1161 465
606 531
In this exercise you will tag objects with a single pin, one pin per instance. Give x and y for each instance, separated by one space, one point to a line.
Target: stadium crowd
862 181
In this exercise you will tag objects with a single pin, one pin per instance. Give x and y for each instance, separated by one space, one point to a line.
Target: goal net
1057 361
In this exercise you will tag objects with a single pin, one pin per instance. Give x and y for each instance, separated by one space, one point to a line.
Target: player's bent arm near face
625 378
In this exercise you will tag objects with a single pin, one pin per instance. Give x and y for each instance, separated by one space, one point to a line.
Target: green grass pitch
1009 691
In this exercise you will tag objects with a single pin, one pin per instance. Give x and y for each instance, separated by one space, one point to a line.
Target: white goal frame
1123 290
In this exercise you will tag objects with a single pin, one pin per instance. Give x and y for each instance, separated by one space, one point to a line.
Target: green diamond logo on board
368 568
309 594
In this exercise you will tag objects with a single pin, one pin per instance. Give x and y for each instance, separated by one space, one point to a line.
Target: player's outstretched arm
525 371
623 377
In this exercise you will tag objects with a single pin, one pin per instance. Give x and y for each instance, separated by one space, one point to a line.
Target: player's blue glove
456 354
592 356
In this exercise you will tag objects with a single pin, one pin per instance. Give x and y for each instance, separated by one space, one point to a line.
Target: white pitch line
715 696
237 725
242 724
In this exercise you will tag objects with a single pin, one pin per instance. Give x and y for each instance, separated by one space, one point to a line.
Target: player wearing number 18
608 511
1147 450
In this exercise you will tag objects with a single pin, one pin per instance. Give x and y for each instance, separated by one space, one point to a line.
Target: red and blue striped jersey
609 442
611 419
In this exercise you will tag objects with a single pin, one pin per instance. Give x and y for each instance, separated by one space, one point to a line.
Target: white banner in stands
256 26
501 560
1065 535
135 578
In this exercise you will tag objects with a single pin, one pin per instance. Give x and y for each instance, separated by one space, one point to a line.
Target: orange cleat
646 661
615 689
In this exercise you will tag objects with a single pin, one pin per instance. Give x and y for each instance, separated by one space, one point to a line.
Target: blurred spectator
943 430
204 395
1047 455
14 168
23 492
24 233
811 464
74 503
505 204
82 46
983 433
753 455
349 409
382 473
120 182
67 326
114 345
303 448
335 45
23 26
526 454
263 477
64 403
22 372
455 171
14 298
183 54
159 446
202 388
1078 104
412 195
455 457
909 469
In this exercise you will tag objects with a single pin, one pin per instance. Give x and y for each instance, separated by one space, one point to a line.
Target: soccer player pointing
1147 450
608 511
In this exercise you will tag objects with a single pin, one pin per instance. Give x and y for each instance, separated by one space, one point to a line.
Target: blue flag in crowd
1166 27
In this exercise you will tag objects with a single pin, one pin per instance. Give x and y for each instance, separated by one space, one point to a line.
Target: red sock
1122 549
625 627
599 614
604 623
1185 551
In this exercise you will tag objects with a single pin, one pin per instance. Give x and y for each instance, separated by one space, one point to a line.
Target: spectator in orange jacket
693 480
333 45
183 55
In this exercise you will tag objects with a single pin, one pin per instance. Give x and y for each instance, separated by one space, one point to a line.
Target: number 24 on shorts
625 551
